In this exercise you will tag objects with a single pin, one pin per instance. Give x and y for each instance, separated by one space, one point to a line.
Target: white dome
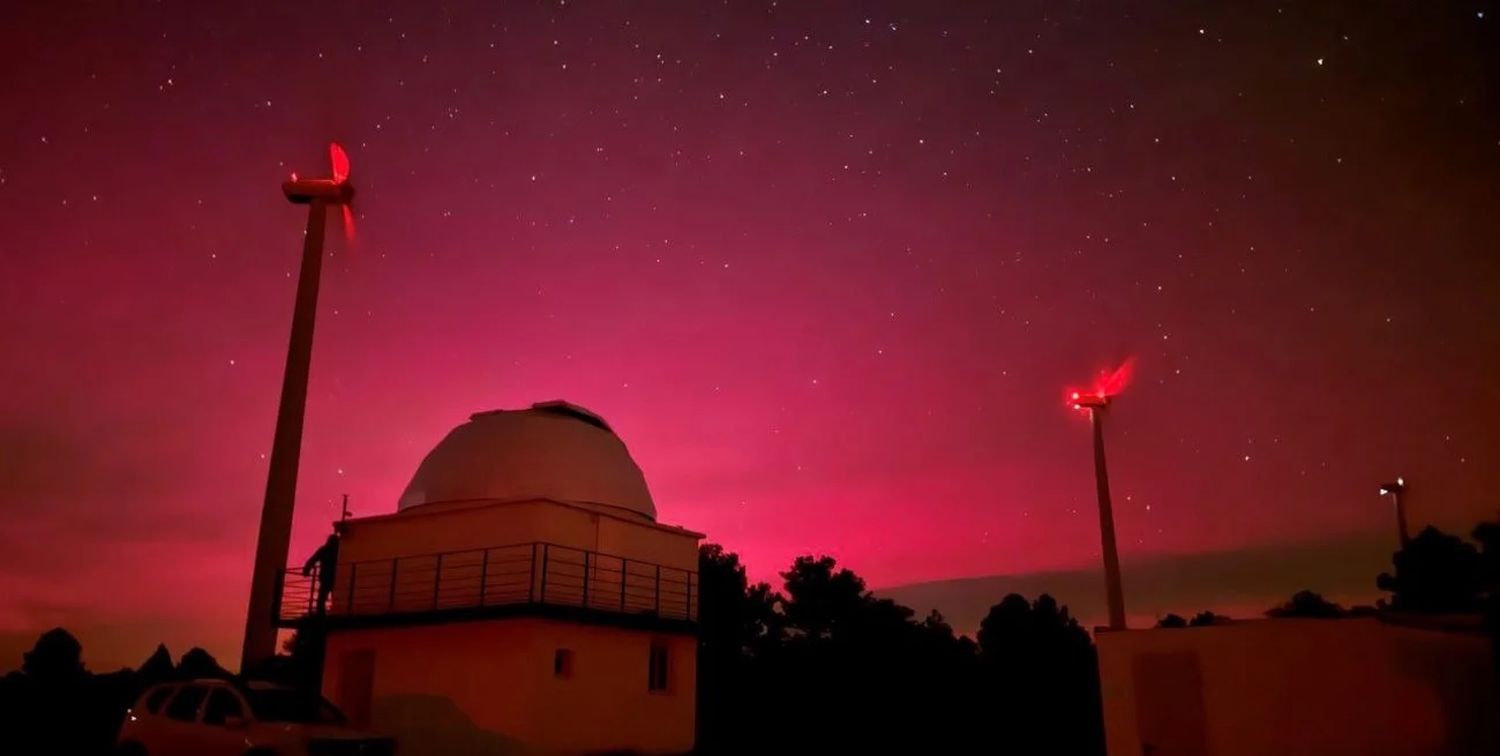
554 450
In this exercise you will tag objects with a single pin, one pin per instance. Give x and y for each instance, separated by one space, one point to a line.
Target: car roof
217 682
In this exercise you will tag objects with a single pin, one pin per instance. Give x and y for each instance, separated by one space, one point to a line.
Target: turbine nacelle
1081 401
308 191
1110 382
329 191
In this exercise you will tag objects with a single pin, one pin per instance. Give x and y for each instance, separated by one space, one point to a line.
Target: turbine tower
1095 402
286 449
1394 490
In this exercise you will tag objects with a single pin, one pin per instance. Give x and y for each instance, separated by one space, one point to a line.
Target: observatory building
523 598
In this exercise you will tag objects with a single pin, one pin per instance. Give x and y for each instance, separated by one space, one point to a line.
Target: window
221 706
157 697
184 706
657 674
562 663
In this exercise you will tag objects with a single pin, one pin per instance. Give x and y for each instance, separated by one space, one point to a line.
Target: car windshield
281 705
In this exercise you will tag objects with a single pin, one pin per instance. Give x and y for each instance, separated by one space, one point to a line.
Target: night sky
826 268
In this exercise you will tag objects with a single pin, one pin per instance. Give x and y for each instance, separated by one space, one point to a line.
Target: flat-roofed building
523 598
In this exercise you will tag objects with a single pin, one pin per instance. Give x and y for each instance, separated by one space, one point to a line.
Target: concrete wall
488 687
1298 686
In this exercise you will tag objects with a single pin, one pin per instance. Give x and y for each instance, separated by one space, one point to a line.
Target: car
231 718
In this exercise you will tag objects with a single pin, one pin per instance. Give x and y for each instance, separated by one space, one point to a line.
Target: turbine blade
340 161
1115 381
349 225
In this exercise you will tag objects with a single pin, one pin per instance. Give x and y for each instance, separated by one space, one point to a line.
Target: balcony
539 579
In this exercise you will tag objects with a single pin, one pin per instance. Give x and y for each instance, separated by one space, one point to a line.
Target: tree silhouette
1201 619
1041 678
847 656
737 622
157 667
1307 604
1435 573
57 658
1487 534
1172 621
838 669
820 599
53 705
1206 618
741 615
198 664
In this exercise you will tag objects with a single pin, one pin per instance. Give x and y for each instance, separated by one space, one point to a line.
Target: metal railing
529 573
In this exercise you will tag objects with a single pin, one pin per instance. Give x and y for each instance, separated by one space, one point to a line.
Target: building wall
664 547
1298 686
442 529
488 687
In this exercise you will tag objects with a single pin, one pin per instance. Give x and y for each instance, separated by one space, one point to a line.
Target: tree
1487 534
1201 619
54 705
1435 573
737 622
198 664
1307 604
157 667
1206 618
849 656
836 668
822 600
1172 621
56 658
1041 677
732 613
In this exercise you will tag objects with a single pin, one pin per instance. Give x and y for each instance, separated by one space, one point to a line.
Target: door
223 724
356 685
179 721
1169 705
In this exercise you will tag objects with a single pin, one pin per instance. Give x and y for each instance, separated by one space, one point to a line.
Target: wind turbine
1095 401
286 449
1394 490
